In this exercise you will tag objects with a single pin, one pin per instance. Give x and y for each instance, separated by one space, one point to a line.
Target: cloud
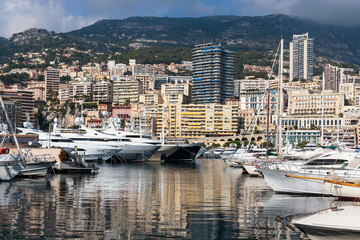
19 15
67 15
337 12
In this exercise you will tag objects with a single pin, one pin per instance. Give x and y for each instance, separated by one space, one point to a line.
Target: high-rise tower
52 82
301 57
213 74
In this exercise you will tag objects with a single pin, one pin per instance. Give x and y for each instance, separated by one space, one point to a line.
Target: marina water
204 200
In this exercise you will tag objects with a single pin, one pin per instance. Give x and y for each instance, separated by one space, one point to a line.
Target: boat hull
133 153
39 169
303 183
8 172
185 153
163 152
333 223
342 192
251 170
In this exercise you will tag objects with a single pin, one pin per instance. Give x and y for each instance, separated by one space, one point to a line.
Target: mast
268 119
322 109
10 125
281 96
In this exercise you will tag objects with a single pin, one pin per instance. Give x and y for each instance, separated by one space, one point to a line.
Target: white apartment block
174 93
103 91
307 102
301 57
127 89
80 90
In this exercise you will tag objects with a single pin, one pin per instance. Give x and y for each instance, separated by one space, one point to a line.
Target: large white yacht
130 151
167 152
93 152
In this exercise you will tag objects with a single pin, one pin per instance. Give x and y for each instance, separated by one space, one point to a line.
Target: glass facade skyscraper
213 77
301 57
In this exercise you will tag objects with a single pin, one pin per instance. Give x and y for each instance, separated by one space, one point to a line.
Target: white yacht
309 179
93 152
333 223
130 151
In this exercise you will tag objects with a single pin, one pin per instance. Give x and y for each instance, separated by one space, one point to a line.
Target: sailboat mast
10 125
322 109
281 95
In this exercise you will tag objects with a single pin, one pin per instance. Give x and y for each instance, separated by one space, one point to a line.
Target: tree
41 78
64 155
127 102
302 144
64 79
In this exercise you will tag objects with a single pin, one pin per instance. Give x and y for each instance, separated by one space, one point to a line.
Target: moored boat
333 223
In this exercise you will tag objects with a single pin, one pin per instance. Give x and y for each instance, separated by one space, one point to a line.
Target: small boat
251 169
10 164
333 223
37 166
77 164
218 152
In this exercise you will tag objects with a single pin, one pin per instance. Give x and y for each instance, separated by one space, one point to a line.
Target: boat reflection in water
207 200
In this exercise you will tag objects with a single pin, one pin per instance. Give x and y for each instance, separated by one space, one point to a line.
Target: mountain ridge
236 33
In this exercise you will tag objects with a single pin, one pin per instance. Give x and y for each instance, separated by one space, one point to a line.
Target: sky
67 15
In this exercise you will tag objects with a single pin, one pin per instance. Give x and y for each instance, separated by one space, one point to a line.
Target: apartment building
176 93
178 121
301 57
52 82
307 102
127 89
213 75
103 91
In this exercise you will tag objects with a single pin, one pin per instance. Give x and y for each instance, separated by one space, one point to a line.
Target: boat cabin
4 150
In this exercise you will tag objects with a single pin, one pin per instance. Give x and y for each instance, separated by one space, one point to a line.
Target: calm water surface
206 200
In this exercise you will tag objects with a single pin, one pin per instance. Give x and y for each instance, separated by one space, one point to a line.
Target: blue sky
67 15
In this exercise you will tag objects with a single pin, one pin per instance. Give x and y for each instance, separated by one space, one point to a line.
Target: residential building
81 90
143 69
143 118
252 83
147 82
150 98
121 111
301 57
22 98
332 77
14 111
307 102
174 93
196 121
213 76
38 87
103 91
52 82
64 95
127 90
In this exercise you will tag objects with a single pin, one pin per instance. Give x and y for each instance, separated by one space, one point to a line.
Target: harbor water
204 200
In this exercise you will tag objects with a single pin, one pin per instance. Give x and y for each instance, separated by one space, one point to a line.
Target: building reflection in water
207 200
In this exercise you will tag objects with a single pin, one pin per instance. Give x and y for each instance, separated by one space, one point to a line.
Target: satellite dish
78 121
30 143
105 113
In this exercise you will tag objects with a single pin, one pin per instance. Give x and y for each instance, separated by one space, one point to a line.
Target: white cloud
344 12
19 15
